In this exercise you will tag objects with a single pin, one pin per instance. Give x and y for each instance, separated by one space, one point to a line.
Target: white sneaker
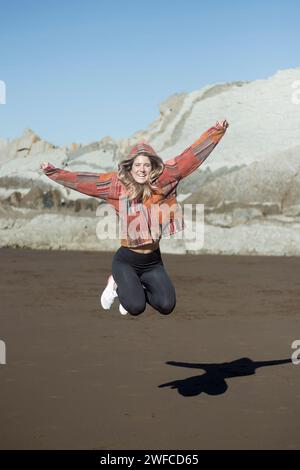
109 294
122 310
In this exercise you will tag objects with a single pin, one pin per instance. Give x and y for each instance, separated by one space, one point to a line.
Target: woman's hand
44 165
223 123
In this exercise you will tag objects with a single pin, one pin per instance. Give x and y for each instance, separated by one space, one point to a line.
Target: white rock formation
250 184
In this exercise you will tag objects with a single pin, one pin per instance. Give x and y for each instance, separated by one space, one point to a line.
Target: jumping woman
143 185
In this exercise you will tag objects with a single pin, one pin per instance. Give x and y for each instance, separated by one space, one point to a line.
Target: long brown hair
135 190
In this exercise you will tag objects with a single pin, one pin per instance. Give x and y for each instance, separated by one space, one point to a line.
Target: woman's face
141 169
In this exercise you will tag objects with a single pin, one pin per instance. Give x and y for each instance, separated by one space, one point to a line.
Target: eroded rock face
250 185
39 199
273 181
28 144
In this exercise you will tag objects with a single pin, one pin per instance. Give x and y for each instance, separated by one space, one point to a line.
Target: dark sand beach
215 374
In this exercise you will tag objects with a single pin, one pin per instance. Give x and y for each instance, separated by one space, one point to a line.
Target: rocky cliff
249 184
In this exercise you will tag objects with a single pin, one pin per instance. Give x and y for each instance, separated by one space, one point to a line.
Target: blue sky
76 71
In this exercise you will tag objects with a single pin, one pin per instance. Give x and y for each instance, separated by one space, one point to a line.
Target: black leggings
142 278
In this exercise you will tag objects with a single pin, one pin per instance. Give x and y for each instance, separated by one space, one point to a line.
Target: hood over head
142 148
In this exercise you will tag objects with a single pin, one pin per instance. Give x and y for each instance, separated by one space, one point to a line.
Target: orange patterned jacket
108 187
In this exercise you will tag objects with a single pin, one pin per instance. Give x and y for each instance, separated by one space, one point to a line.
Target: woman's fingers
223 123
44 165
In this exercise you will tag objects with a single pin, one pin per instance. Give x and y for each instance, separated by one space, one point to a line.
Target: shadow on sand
213 381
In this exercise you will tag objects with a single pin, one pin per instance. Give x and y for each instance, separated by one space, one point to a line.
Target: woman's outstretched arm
92 184
192 157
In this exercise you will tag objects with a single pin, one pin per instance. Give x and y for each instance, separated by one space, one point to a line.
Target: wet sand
215 374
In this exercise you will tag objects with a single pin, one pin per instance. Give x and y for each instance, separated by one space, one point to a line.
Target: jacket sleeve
192 157
92 184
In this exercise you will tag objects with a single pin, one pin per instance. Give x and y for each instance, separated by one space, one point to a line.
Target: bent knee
165 308
135 308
